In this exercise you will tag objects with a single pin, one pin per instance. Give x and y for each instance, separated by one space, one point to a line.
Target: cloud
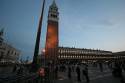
106 22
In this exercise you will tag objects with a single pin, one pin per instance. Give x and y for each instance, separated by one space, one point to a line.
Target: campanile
51 46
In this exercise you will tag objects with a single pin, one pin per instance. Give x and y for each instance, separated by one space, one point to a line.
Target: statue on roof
1 32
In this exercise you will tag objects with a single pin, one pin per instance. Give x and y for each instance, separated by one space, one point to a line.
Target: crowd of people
79 69
82 72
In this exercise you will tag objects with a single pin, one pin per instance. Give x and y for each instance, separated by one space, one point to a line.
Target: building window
55 16
15 53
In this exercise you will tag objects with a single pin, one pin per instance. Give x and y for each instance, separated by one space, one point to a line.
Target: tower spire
53 1
53 12
54 4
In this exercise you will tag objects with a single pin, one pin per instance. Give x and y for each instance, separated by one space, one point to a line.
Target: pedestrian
14 69
69 72
85 73
101 67
78 73
72 68
56 72
20 70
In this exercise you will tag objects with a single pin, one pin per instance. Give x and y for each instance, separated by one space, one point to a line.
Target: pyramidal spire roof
54 4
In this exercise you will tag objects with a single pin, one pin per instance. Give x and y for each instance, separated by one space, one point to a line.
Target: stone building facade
8 53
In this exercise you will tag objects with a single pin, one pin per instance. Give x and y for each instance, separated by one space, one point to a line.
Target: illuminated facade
52 32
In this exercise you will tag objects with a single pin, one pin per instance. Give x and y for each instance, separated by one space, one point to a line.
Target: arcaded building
83 54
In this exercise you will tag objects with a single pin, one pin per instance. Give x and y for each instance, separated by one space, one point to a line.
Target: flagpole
36 51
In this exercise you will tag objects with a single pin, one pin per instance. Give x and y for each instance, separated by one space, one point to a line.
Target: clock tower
51 46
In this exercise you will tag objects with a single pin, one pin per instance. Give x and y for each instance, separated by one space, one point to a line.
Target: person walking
78 73
56 72
101 66
69 72
72 68
85 73
14 69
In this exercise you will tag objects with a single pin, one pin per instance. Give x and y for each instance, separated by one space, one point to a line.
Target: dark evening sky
82 24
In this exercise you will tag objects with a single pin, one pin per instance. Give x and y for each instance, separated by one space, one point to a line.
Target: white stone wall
10 53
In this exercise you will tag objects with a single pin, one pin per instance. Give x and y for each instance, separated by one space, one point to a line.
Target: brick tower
51 47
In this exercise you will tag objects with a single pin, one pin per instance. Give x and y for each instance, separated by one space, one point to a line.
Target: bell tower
51 46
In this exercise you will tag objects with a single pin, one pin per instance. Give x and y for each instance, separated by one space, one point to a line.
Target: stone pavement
106 79
95 77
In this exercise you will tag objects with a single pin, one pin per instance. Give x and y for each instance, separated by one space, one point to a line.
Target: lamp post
36 51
